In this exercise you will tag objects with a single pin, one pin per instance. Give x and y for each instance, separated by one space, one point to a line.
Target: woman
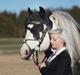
59 62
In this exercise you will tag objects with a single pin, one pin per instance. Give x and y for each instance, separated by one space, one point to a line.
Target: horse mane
68 16
71 33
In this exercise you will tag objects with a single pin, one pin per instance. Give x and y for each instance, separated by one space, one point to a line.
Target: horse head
37 22
37 25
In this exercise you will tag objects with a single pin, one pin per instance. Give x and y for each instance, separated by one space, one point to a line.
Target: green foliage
12 25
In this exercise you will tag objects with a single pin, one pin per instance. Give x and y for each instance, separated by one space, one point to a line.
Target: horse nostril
26 52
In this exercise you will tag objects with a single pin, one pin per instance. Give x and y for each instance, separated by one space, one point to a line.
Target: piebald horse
37 26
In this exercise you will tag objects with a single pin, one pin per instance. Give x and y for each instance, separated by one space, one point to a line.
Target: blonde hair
59 30
67 43
60 35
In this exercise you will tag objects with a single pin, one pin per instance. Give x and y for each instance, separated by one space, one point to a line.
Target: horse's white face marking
29 35
30 25
32 43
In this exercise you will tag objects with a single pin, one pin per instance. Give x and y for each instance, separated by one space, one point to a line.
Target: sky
16 6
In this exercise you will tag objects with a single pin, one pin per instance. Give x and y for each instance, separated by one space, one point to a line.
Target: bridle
35 51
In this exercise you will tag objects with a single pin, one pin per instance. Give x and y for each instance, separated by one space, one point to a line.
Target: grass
10 45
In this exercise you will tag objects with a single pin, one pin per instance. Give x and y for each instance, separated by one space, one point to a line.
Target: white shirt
56 54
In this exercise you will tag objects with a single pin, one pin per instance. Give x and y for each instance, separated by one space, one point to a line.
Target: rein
35 51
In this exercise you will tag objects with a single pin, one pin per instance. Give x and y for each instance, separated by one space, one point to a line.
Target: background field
10 45
10 61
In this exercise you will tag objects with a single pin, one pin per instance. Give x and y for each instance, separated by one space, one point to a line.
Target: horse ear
29 11
42 12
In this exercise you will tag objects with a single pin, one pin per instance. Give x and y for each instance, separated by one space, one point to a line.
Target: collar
53 50
60 50
56 54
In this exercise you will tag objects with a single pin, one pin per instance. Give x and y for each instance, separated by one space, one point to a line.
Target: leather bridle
35 51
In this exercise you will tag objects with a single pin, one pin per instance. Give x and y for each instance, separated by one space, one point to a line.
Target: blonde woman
59 62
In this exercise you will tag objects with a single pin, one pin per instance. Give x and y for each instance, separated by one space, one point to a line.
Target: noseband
35 50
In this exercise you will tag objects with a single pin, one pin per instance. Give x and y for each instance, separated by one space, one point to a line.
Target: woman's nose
51 40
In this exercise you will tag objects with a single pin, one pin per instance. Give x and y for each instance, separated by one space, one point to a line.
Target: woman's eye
54 39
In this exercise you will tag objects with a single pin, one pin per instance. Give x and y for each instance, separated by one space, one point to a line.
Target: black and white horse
37 26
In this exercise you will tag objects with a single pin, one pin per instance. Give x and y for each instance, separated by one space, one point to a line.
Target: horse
37 27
